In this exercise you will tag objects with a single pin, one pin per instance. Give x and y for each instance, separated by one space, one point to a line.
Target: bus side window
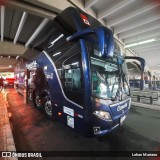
73 80
73 73
69 67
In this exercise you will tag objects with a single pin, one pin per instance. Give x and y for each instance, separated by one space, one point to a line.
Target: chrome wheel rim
38 103
48 107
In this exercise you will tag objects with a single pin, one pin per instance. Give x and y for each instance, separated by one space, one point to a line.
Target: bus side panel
71 114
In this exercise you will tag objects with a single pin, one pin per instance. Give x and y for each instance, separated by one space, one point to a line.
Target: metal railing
148 95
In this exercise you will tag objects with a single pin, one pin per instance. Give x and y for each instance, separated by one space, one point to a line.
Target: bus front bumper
102 127
99 132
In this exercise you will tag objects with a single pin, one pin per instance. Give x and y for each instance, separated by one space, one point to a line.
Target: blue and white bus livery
80 78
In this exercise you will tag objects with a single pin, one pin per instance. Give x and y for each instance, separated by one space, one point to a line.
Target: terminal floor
33 132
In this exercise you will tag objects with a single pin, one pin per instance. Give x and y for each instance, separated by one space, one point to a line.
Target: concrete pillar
142 81
154 83
150 81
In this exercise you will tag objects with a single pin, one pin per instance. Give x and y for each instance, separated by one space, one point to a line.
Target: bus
155 84
134 83
158 84
79 75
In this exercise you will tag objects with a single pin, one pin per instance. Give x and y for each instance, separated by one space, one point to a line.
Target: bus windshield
107 76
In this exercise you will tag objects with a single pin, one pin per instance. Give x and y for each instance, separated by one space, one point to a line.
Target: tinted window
67 58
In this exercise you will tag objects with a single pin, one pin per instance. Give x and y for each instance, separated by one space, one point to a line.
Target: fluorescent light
23 19
147 41
2 22
131 45
56 54
17 57
139 43
36 32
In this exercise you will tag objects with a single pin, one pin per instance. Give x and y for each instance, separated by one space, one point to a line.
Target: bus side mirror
140 59
105 39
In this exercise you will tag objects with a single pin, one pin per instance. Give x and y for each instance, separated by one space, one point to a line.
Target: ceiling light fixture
17 57
139 43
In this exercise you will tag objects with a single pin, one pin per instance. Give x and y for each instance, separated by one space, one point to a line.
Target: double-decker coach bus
80 76
134 83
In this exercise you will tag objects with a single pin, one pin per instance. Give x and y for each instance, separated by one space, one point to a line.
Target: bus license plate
122 119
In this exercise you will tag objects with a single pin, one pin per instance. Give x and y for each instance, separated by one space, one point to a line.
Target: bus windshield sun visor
105 38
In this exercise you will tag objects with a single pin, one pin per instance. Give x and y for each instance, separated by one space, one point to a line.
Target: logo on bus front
85 19
119 108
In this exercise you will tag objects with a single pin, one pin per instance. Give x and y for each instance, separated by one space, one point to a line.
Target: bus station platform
144 105
7 142
6 136
149 99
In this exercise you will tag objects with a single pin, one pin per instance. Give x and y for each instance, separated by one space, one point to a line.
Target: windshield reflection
109 78
105 78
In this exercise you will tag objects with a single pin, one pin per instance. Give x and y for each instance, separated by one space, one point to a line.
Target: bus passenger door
73 84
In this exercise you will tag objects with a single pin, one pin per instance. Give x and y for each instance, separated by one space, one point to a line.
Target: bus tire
36 100
47 106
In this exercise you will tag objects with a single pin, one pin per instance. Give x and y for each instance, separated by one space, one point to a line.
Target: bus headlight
102 114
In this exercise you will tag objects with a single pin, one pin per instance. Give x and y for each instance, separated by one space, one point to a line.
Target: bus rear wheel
48 107
36 100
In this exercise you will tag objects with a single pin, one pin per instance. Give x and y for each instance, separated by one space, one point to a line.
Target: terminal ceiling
132 21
